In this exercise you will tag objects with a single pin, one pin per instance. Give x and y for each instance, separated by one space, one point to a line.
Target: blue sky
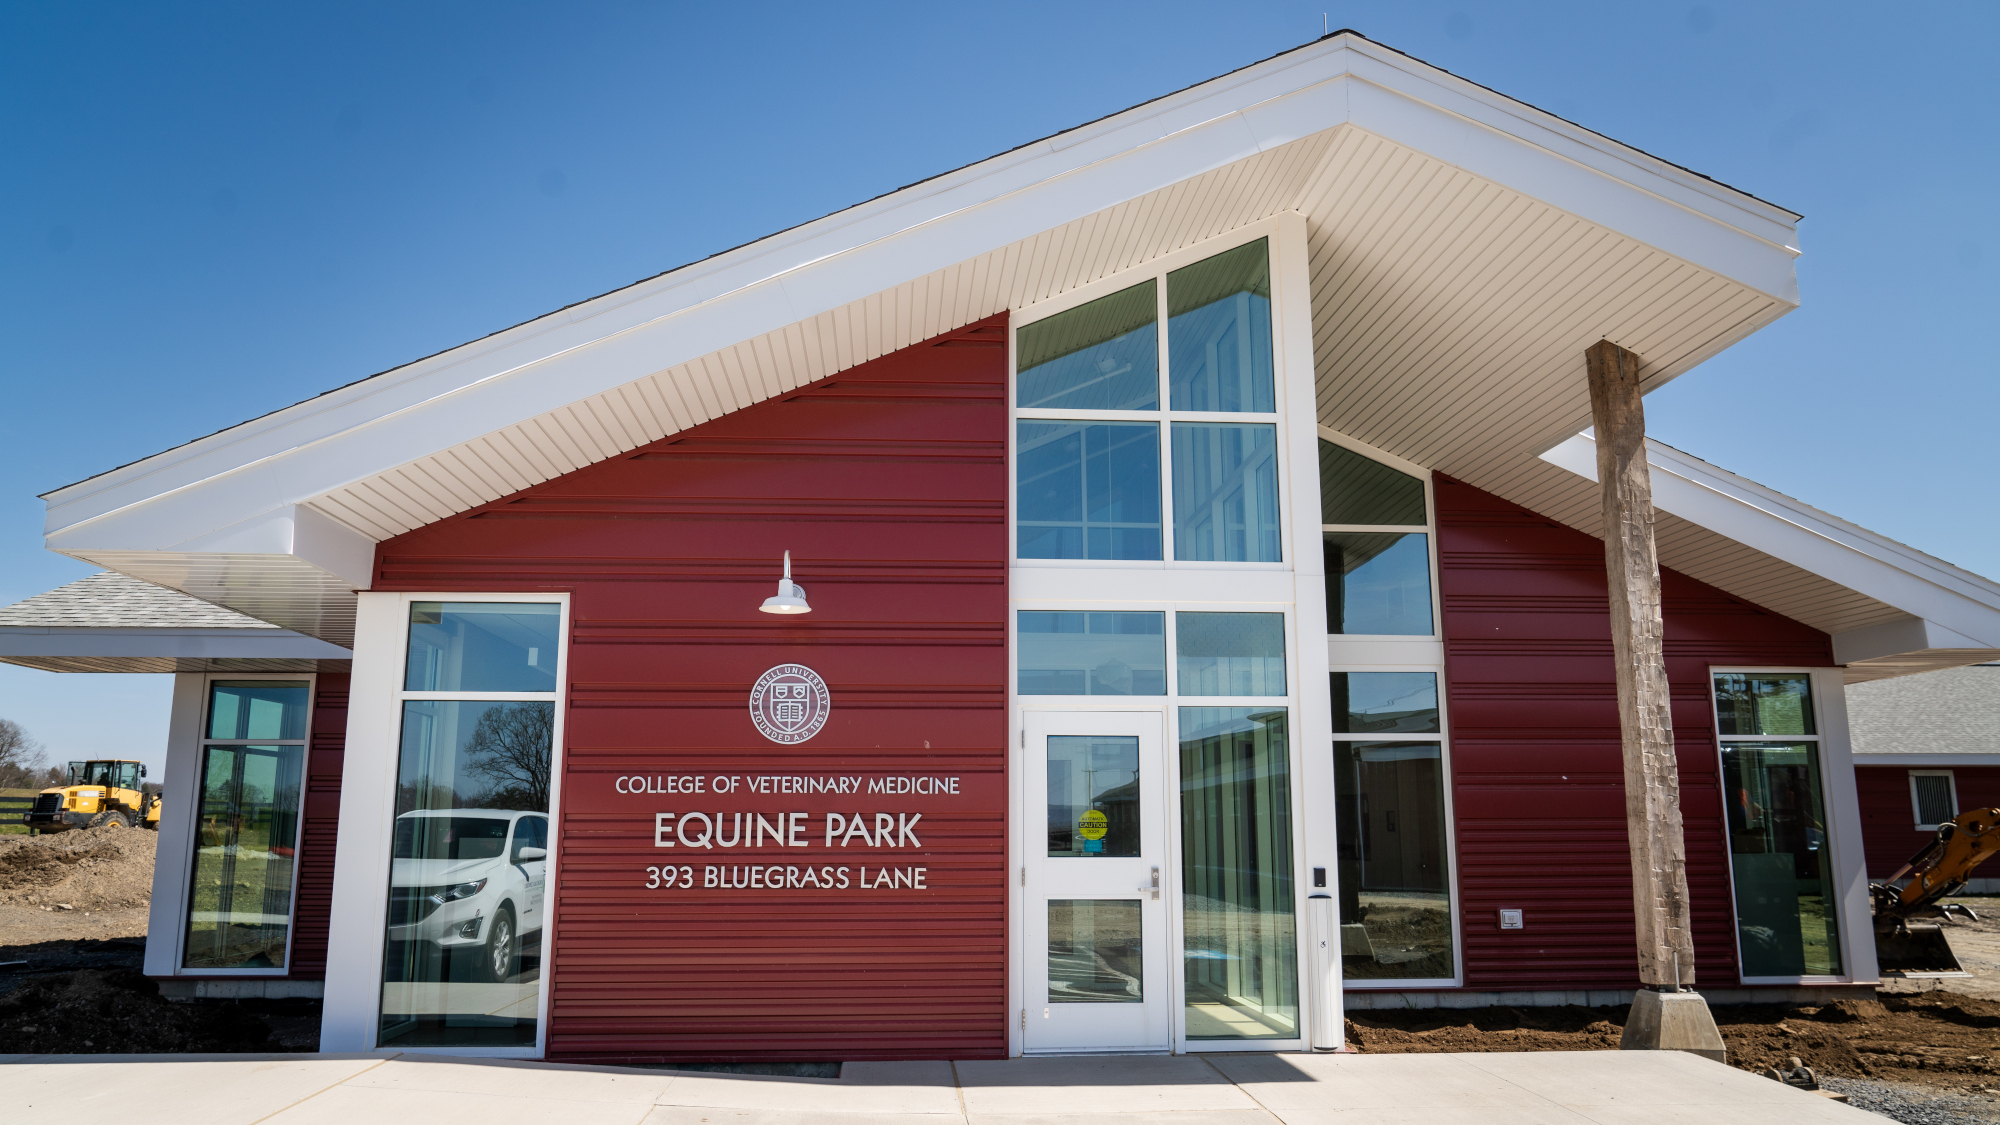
211 211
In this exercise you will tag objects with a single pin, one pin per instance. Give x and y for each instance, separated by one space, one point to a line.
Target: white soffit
1891 609
1466 248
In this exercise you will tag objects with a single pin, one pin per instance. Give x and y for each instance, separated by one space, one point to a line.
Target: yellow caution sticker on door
1093 825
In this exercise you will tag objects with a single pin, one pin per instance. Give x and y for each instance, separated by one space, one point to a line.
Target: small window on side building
1933 798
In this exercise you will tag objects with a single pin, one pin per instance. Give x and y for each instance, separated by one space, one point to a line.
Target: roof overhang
85 649
1465 249
1891 609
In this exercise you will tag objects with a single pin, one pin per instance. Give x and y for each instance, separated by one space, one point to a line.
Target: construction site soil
85 869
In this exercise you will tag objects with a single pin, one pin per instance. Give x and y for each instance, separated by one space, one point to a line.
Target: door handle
1154 887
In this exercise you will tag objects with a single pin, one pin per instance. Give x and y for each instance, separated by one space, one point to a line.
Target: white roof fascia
1950 608
241 476
1923 761
201 644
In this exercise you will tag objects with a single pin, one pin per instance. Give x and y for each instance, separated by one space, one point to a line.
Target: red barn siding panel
1888 820
1538 783
888 485
320 830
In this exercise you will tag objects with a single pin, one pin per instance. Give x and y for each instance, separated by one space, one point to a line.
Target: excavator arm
1903 944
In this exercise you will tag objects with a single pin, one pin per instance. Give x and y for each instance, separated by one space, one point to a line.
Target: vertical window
247 825
1933 798
1241 956
469 847
1376 526
1395 887
1092 488
1775 808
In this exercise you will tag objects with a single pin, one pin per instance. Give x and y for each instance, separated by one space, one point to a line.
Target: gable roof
1465 248
111 622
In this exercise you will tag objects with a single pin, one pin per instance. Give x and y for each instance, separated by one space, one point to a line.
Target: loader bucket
1921 950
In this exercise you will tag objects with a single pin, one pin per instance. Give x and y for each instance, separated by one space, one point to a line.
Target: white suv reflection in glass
462 879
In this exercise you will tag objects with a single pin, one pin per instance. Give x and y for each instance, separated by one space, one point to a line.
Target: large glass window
247 825
1226 492
1230 653
1078 653
1100 356
1395 889
1775 807
1219 332
1378 583
1092 488
1087 490
1241 962
462 963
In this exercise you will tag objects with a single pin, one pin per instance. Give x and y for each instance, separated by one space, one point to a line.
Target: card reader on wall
1511 920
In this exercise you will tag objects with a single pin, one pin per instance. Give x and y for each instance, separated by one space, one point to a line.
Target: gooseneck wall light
791 597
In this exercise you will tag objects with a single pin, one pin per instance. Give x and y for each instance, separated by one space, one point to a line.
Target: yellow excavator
1908 942
98 793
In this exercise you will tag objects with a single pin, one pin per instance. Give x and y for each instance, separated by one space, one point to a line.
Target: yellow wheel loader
98 793
1907 941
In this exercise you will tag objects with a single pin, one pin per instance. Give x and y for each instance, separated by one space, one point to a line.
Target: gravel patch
1916 1105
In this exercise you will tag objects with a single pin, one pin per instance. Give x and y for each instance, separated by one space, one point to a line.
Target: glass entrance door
1096 908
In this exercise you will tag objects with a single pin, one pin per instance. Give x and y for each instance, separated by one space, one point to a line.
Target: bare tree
510 748
21 760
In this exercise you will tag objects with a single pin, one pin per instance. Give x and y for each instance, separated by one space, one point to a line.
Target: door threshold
1073 1051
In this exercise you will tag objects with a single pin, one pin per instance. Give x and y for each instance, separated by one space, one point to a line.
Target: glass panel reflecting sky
258 709
1088 490
1093 795
482 646
1226 492
1219 332
1074 653
1099 356
1385 703
1378 583
1231 653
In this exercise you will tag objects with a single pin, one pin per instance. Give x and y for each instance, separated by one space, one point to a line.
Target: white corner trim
1952 603
173 850
1850 860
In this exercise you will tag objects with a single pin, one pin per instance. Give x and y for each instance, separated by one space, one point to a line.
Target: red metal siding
1537 779
324 755
888 485
1888 821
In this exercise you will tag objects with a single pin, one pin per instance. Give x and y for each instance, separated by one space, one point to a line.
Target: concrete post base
1672 1021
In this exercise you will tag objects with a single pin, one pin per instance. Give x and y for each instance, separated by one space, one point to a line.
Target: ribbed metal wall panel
320 831
1889 821
1538 781
888 485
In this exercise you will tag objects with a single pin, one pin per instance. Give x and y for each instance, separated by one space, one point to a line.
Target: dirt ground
87 869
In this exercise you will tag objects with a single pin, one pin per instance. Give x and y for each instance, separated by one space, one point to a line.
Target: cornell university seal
789 704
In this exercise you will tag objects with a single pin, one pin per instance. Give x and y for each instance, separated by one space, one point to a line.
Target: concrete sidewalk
1606 1087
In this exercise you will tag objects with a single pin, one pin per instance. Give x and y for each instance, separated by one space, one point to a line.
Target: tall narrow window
1241 957
247 825
1787 905
469 847
1395 887
1219 333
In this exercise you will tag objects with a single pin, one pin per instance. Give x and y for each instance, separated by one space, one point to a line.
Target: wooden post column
1652 783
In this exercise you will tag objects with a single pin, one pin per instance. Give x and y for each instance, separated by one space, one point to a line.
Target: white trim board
1954 613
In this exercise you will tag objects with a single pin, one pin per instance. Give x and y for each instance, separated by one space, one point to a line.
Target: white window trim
351 1015
1916 806
1843 821
180 797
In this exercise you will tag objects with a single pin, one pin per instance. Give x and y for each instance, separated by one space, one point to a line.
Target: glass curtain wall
462 960
1775 807
1092 488
247 825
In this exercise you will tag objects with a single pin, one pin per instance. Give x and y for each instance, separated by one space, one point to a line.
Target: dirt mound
1938 1039
118 1011
104 868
